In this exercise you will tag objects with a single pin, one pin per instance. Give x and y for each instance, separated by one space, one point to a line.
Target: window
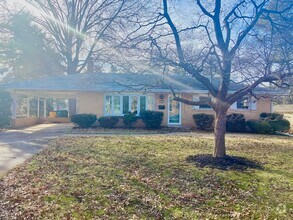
150 103
143 103
117 107
112 105
108 102
244 103
134 104
123 104
203 106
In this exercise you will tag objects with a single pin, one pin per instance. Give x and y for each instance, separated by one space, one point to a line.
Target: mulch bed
99 130
226 163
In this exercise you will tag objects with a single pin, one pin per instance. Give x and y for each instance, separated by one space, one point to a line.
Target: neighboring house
116 94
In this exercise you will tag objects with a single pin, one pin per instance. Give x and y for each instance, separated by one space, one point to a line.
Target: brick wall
94 103
263 105
161 99
90 103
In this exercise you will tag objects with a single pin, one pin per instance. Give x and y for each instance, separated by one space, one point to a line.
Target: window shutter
195 99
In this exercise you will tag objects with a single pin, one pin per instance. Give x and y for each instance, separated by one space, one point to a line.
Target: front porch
41 107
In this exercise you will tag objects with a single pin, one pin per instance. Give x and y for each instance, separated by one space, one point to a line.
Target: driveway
18 145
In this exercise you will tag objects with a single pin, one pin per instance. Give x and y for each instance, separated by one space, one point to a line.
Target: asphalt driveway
18 145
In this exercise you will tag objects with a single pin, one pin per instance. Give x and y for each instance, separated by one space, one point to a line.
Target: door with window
174 112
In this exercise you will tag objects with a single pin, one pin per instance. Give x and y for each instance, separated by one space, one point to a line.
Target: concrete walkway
18 145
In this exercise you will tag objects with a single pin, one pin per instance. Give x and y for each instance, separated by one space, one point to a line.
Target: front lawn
150 177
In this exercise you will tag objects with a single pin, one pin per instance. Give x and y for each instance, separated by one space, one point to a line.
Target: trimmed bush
84 120
270 116
108 121
5 112
235 123
281 125
129 119
152 119
204 121
259 126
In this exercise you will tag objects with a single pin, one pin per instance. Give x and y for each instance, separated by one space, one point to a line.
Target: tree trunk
220 130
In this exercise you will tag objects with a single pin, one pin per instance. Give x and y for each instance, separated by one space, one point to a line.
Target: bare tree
224 36
80 30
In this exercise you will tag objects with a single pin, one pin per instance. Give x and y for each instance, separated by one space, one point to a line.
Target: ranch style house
45 100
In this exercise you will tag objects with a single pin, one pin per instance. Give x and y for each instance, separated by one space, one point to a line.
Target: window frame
130 98
112 109
241 102
252 104
198 107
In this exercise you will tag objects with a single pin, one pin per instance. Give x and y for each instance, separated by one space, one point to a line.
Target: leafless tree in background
82 31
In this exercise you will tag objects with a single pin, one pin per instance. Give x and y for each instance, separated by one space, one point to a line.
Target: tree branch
175 32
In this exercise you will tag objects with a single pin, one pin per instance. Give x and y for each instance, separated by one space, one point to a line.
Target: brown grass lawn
285 108
149 177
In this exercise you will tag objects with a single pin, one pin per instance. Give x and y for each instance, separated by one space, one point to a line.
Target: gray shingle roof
112 82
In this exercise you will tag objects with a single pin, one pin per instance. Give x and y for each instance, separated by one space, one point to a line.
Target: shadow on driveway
18 145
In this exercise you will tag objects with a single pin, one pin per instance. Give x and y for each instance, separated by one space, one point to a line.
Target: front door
174 112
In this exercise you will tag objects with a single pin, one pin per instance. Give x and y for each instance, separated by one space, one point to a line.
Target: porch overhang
45 93
42 115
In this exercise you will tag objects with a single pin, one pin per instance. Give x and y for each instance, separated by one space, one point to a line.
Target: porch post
14 105
28 106
38 107
45 108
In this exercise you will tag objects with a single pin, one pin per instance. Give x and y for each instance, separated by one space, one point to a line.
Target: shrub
281 125
204 121
84 120
5 112
235 123
108 121
152 119
129 119
259 126
270 116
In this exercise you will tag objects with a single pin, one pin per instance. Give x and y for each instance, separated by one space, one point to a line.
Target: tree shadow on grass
226 163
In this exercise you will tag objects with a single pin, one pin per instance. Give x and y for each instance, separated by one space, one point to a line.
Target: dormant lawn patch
150 177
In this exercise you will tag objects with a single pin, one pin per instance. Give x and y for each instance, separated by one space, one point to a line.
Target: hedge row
268 123
151 119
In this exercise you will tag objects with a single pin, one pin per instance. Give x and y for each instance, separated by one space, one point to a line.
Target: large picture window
122 104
